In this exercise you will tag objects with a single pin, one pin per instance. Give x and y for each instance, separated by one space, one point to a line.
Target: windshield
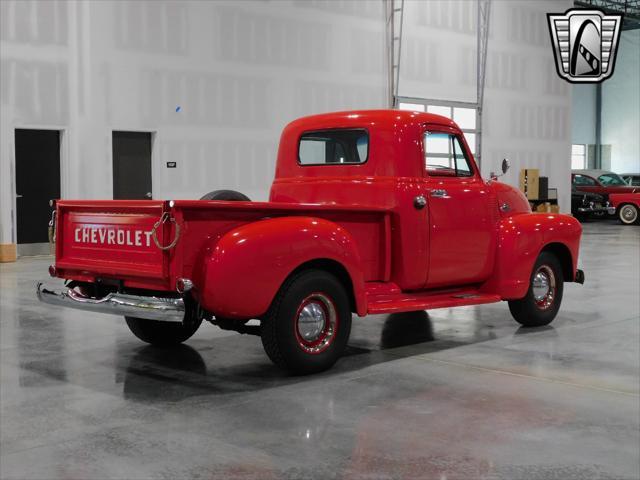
611 179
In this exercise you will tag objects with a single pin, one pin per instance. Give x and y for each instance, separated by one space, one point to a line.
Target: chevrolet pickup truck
370 212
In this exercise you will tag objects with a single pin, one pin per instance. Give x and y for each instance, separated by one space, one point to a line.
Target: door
462 219
131 165
37 182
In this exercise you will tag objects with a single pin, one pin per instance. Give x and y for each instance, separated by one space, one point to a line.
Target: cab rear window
334 147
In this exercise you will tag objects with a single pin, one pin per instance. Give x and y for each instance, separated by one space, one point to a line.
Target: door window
583 181
445 156
611 179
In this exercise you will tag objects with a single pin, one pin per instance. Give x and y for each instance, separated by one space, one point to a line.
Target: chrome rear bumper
152 308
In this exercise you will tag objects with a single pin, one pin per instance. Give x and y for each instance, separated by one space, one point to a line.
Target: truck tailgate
111 239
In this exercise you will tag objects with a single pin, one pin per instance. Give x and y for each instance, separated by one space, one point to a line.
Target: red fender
521 238
243 270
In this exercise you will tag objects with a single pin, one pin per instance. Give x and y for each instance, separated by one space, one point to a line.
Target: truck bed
112 241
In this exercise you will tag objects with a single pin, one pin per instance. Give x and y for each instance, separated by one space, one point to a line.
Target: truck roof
379 118
392 148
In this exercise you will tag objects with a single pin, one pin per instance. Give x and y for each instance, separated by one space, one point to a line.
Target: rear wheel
226 195
307 327
542 302
628 214
161 333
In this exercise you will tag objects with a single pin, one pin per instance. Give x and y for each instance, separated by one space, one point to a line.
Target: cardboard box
547 207
530 182
544 207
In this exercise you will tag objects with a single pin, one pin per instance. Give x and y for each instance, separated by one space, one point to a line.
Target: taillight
183 285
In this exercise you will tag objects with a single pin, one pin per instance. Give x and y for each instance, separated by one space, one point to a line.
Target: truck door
462 211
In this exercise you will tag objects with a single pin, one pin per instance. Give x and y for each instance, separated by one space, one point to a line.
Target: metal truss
394 14
484 14
629 8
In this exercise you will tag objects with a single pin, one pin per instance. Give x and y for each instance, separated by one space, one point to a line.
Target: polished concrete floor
452 394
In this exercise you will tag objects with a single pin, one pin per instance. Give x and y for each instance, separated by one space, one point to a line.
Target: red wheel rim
315 323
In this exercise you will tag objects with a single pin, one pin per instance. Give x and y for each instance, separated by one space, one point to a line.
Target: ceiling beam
630 10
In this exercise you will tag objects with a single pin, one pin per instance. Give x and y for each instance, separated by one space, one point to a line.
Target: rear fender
242 271
521 238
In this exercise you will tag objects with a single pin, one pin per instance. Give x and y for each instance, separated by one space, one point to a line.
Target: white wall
439 50
527 114
621 106
239 71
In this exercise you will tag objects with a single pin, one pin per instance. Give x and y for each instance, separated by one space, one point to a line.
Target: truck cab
416 165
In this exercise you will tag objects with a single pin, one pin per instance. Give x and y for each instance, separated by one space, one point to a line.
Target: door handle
419 202
439 193
18 195
148 195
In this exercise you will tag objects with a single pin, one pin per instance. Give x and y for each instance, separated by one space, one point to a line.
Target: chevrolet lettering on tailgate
110 236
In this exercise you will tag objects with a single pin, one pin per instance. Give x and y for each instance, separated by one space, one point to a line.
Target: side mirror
505 165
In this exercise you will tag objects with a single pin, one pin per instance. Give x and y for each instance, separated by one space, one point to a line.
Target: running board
407 302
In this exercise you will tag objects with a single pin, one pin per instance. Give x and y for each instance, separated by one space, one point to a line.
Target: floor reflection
237 363
529 330
407 328
164 374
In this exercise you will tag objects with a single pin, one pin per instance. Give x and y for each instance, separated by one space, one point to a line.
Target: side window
329 147
445 157
611 179
581 180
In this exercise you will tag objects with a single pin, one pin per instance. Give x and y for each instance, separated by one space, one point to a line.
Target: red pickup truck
370 212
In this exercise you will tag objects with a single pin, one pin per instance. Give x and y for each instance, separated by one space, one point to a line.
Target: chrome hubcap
316 323
544 287
629 213
311 321
540 286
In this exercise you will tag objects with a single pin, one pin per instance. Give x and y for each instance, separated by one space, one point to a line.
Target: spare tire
227 195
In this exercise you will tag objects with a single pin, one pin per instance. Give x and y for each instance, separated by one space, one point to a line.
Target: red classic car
602 182
627 207
370 212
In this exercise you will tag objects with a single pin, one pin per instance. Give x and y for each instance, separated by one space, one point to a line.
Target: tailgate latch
164 218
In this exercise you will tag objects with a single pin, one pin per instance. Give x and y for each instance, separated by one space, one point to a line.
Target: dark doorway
131 165
37 182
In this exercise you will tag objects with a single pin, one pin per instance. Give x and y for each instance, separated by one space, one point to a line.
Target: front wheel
307 327
542 302
161 333
628 214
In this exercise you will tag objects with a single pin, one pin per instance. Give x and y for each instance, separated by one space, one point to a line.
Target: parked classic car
627 207
632 179
602 182
585 205
370 212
